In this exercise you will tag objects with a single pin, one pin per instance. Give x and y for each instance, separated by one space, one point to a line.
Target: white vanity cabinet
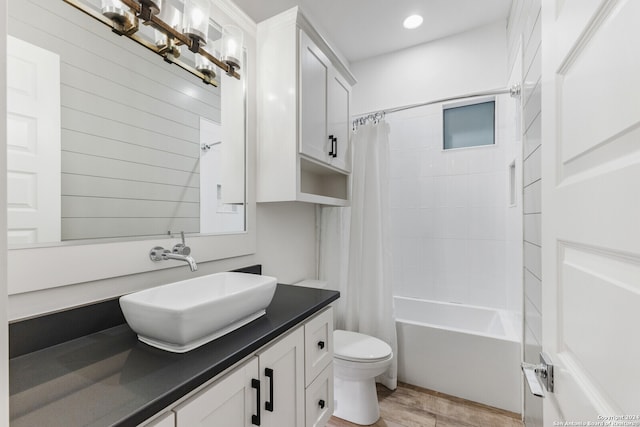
318 353
303 114
324 107
230 401
282 378
272 388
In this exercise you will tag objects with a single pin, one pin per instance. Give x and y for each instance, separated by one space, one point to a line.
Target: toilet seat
356 347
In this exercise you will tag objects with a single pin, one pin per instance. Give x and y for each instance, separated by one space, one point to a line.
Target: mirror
107 141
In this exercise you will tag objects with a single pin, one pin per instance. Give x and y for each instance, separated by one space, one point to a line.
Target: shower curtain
355 251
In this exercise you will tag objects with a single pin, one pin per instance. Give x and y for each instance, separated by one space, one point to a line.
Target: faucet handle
156 253
181 248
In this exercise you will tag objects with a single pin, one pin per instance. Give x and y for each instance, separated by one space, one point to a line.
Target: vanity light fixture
203 64
195 22
173 28
413 21
232 39
166 44
119 13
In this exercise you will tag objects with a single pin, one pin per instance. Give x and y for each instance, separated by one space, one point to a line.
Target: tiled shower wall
451 228
524 29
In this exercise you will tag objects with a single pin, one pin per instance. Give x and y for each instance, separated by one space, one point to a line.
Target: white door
338 120
33 143
314 71
229 402
282 379
591 208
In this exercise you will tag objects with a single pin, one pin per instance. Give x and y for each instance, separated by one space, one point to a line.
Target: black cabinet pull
268 372
335 147
255 419
321 404
331 152
321 344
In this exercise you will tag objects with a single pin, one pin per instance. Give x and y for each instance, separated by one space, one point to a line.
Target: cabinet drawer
318 344
319 399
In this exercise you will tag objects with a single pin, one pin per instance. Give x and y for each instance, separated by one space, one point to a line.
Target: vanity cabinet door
230 402
314 72
338 95
324 108
282 380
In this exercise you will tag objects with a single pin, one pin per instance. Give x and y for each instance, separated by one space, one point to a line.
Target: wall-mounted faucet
180 252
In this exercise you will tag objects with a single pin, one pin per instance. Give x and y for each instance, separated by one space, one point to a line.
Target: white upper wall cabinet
303 114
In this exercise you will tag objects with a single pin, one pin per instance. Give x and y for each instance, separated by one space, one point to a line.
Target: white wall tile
404 164
456 161
457 191
533 228
533 198
533 167
532 259
482 190
451 223
427 192
440 188
425 228
533 290
457 259
482 161
404 222
532 139
533 319
405 193
482 223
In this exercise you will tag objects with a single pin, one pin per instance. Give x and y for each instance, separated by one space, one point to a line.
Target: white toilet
357 360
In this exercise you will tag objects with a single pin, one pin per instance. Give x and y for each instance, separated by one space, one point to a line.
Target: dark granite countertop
109 378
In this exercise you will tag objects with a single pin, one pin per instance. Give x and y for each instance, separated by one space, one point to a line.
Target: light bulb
232 40
195 23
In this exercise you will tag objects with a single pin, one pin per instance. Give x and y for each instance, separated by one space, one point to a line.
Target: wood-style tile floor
410 406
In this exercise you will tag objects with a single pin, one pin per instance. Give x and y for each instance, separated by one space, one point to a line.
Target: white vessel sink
181 316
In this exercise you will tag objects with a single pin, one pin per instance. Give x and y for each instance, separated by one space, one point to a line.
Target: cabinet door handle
320 345
321 404
268 372
331 152
255 419
335 148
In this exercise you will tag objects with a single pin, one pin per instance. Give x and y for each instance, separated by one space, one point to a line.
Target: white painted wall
467 62
285 247
4 341
524 30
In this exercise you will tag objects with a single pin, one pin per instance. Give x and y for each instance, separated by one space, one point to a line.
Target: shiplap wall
524 24
130 126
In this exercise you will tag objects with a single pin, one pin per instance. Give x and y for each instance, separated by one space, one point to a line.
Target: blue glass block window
469 125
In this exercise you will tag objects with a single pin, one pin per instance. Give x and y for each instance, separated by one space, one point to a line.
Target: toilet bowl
357 360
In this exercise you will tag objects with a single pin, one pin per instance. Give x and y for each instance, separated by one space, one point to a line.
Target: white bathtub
465 351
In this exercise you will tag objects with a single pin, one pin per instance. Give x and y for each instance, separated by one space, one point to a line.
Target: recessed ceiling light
413 21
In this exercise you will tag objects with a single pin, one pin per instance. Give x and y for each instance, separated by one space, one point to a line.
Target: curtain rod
375 116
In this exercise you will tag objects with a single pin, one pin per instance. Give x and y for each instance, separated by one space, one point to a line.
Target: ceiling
361 29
